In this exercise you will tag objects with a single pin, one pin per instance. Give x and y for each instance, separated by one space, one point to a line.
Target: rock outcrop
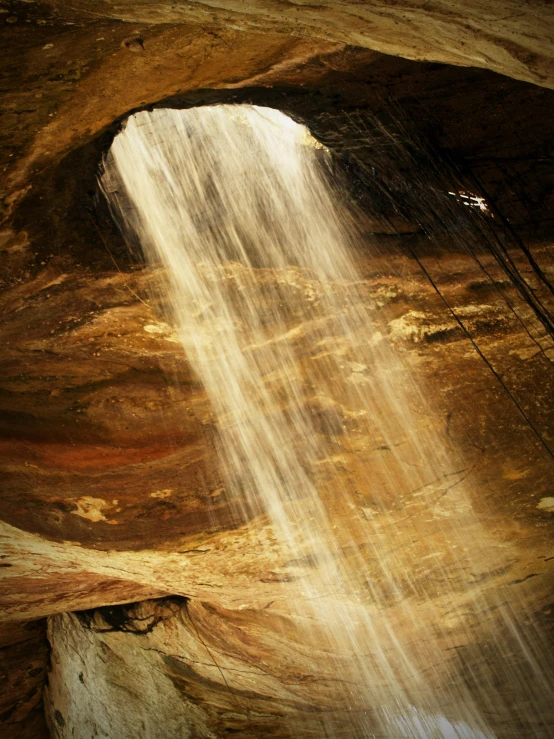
512 37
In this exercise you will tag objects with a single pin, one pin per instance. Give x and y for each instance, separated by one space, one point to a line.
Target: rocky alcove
134 601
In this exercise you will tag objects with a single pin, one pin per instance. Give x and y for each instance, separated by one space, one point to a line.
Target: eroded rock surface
111 491
194 669
508 36
504 521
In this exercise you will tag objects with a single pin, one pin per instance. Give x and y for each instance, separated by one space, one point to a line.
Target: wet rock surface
116 512
110 488
217 673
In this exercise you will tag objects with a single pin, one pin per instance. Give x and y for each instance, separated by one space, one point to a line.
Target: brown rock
111 491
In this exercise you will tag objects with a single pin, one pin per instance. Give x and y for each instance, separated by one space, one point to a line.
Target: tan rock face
507 36
505 523
83 78
216 672
111 491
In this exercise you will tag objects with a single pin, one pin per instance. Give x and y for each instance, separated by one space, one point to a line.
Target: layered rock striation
111 491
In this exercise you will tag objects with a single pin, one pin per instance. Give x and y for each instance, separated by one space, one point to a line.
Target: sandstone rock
110 488
507 36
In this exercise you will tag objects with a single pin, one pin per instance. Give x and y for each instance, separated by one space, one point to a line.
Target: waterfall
323 436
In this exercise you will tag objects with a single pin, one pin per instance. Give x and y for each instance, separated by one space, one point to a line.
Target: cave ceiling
117 536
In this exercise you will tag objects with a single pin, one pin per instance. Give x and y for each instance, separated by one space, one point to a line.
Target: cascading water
313 408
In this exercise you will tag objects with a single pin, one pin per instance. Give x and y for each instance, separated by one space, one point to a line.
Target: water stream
323 436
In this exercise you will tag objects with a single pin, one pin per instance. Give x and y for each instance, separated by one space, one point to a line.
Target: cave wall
24 651
512 37
96 510
207 672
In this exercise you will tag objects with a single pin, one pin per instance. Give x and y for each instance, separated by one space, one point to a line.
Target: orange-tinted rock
111 491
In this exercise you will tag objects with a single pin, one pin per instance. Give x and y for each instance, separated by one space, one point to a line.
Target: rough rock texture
216 673
506 521
513 37
98 688
71 80
23 655
110 490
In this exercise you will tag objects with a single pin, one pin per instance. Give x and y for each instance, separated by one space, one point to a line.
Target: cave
397 582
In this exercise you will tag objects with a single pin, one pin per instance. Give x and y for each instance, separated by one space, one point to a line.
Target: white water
311 406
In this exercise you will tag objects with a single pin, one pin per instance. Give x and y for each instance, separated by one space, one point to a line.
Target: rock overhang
71 436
